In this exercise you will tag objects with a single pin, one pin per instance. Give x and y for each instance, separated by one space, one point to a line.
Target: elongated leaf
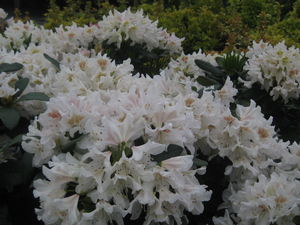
10 117
34 96
10 67
21 85
53 61
17 139
172 151
206 66
205 81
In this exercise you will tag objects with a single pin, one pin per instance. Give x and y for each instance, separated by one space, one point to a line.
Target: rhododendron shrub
115 142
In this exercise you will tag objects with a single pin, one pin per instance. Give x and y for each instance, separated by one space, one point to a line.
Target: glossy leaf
53 61
10 67
205 81
21 85
34 96
172 151
206 66
10 117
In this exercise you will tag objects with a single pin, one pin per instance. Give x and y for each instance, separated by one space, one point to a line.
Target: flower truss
276 68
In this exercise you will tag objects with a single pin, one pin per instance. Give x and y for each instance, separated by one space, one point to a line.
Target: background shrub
212 25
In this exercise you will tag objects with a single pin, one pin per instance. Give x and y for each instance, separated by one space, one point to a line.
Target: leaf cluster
9 113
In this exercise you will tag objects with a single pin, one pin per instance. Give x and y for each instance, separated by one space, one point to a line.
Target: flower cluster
118 27
185 70
115 28
119 177
276 68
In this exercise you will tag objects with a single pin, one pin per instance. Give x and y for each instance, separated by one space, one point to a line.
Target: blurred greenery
212 25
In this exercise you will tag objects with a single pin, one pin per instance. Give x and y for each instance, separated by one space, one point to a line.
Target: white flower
118 27
179 163
185 72
7 88
275 68
269 200
3 14
226 220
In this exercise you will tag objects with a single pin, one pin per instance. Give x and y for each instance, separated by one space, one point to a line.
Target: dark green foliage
79 11
143 60
233 63
250 11
10 117
7 67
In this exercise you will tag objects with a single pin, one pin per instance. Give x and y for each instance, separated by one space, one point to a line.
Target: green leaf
34 96
206 66
10 117
199 163
205 81
53 61
16 140
220 60
115 156
21 85
10 67
172 151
